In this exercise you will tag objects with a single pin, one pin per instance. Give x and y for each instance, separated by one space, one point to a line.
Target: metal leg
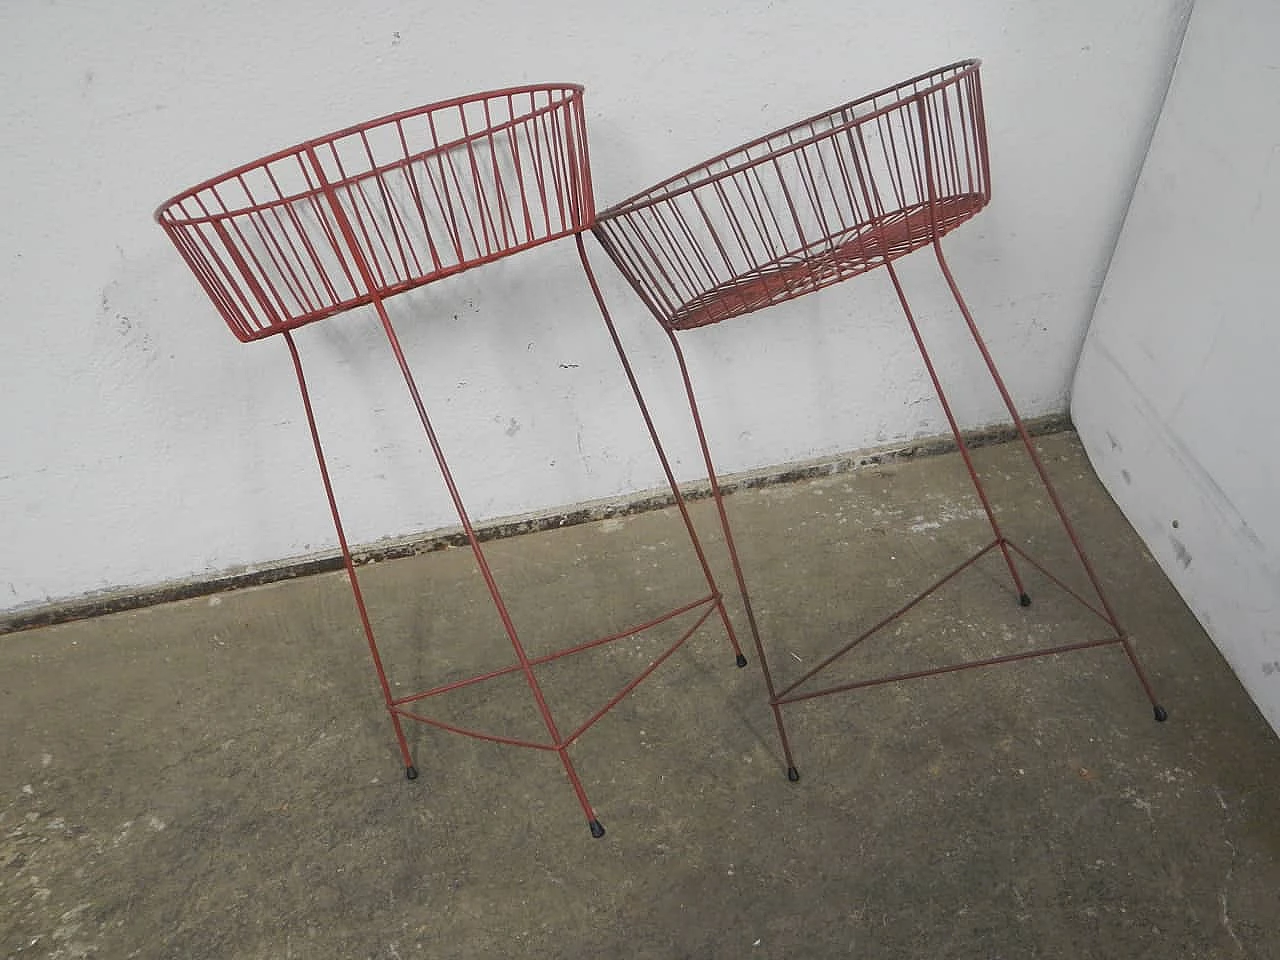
410 770
793 773
561 747
1160 713
662 455
1023 597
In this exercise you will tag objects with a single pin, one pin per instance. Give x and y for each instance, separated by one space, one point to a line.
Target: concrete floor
217 778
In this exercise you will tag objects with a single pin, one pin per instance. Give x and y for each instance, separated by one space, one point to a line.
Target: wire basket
810 205
386 206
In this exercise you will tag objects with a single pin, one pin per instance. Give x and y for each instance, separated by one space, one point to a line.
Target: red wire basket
374 210
810 205
386 206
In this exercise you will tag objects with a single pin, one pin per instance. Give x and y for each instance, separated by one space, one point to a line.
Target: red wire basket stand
347 221
833 196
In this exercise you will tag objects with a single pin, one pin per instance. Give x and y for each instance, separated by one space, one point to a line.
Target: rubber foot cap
793 774
597 829
1024 600
1161 713
742 659
411 772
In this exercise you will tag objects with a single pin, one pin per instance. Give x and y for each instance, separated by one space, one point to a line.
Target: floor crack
1222 898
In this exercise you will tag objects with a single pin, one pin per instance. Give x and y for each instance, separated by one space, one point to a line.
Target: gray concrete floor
217 778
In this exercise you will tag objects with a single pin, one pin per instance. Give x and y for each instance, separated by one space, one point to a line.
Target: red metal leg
793 773
1160 713
1023 598
526 667
662 454
410 770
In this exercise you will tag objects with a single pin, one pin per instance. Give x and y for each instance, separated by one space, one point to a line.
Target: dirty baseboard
134 598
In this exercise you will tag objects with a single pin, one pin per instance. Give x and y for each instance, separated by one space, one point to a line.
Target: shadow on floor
217 778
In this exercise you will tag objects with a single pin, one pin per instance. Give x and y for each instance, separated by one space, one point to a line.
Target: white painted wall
1177 389
139 442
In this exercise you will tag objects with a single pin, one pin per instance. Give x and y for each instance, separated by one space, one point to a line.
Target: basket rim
662 190
162 213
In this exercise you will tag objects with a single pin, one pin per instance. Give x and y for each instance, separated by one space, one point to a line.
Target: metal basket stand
353 218
823 200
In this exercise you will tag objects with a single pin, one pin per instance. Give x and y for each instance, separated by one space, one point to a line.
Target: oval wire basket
822 200
385 206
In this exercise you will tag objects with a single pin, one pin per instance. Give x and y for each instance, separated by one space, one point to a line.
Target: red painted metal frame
356 217
828 198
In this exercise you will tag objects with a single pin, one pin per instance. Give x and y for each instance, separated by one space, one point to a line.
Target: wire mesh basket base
817 202
831 260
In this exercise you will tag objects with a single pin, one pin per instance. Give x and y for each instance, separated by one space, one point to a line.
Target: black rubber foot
1024 600
742 659
597 829
1161 713
411 772
793 774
